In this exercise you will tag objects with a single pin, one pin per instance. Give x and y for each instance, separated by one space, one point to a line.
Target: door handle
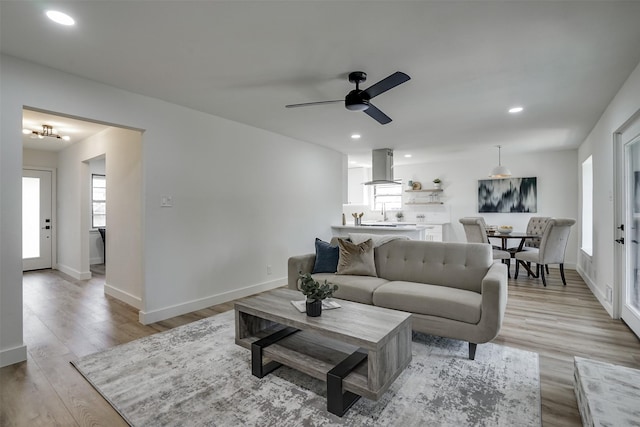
620 240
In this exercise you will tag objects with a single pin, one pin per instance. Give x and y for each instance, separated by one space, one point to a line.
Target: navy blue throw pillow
326 258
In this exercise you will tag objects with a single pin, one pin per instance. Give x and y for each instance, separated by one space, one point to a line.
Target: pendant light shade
500 171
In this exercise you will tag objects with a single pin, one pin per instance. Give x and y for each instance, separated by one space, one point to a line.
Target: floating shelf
424 203
429 190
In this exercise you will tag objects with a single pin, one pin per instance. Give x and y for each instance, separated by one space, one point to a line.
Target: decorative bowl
505 229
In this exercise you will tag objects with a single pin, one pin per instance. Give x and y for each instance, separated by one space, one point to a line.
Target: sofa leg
472 350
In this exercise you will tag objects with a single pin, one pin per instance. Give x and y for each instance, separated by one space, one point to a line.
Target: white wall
40 158
243 198
96 247
122 150
557 178
599 270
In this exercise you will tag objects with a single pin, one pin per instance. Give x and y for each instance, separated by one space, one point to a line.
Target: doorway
628 145
37 219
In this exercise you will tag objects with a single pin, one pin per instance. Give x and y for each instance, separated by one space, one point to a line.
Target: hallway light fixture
500 171
46 131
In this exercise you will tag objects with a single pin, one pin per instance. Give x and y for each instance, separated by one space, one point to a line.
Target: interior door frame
54 218
620 140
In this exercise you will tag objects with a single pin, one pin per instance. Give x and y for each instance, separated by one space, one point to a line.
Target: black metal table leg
338 403
257 368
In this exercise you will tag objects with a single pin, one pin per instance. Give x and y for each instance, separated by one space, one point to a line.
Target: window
98 201
390 195
587 206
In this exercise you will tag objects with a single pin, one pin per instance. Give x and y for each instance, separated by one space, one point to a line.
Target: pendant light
500 171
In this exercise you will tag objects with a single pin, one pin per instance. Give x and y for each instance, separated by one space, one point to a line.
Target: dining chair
535 225
552 248
476 231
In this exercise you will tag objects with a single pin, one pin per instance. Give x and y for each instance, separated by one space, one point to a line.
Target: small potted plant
437 183
399 216
315 293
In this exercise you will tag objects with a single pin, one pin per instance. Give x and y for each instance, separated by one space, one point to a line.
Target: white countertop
389 226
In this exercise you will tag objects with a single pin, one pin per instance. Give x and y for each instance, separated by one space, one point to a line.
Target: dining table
505 237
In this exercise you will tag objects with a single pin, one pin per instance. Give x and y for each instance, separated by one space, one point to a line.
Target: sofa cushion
356 259
326 257
431 300
451 264
353 288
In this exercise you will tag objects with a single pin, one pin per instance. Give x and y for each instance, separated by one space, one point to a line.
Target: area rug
195 375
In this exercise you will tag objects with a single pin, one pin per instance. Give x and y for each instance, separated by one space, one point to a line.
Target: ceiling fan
358 99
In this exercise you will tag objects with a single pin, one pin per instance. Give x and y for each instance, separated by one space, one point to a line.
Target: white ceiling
75 129
469 61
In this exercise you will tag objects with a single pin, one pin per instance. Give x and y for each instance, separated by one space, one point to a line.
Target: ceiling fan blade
377 115
384 85
307 104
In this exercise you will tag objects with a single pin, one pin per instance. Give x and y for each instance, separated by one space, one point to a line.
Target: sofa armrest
297 264
494 299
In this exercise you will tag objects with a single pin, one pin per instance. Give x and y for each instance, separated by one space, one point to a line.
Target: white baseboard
78 275
147 317
123 296
595 290
13 355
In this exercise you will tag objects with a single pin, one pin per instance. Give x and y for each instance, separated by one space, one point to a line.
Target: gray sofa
453 290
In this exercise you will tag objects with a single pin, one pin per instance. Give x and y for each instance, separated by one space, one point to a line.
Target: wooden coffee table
358 349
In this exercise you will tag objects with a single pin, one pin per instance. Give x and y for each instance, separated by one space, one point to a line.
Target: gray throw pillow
356 259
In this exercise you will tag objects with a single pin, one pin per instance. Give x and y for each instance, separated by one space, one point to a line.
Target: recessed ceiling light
515 110
60 18
355 136
407 155
26 131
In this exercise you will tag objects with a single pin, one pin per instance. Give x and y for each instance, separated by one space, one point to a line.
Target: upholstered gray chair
552 247
476 231
535 225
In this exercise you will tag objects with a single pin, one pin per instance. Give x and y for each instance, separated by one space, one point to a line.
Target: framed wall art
508 195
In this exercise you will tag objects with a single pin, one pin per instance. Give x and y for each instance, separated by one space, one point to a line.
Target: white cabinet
433 233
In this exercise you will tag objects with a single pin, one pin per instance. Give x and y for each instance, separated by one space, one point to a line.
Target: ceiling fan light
357 107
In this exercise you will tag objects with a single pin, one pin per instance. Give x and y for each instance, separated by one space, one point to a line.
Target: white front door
36 219
630 304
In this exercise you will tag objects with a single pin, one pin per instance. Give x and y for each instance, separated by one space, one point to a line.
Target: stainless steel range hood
382 167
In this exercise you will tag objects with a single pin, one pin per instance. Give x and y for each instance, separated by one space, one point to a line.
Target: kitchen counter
419 231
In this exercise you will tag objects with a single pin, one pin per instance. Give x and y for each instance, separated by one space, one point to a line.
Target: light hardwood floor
65 319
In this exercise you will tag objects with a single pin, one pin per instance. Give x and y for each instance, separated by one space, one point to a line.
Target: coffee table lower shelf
358 350
344 367
338 402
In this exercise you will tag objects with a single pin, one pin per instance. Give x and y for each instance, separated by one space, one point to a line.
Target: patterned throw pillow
355 259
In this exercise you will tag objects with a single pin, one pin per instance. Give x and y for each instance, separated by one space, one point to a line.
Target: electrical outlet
609 293
268 269
166 201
